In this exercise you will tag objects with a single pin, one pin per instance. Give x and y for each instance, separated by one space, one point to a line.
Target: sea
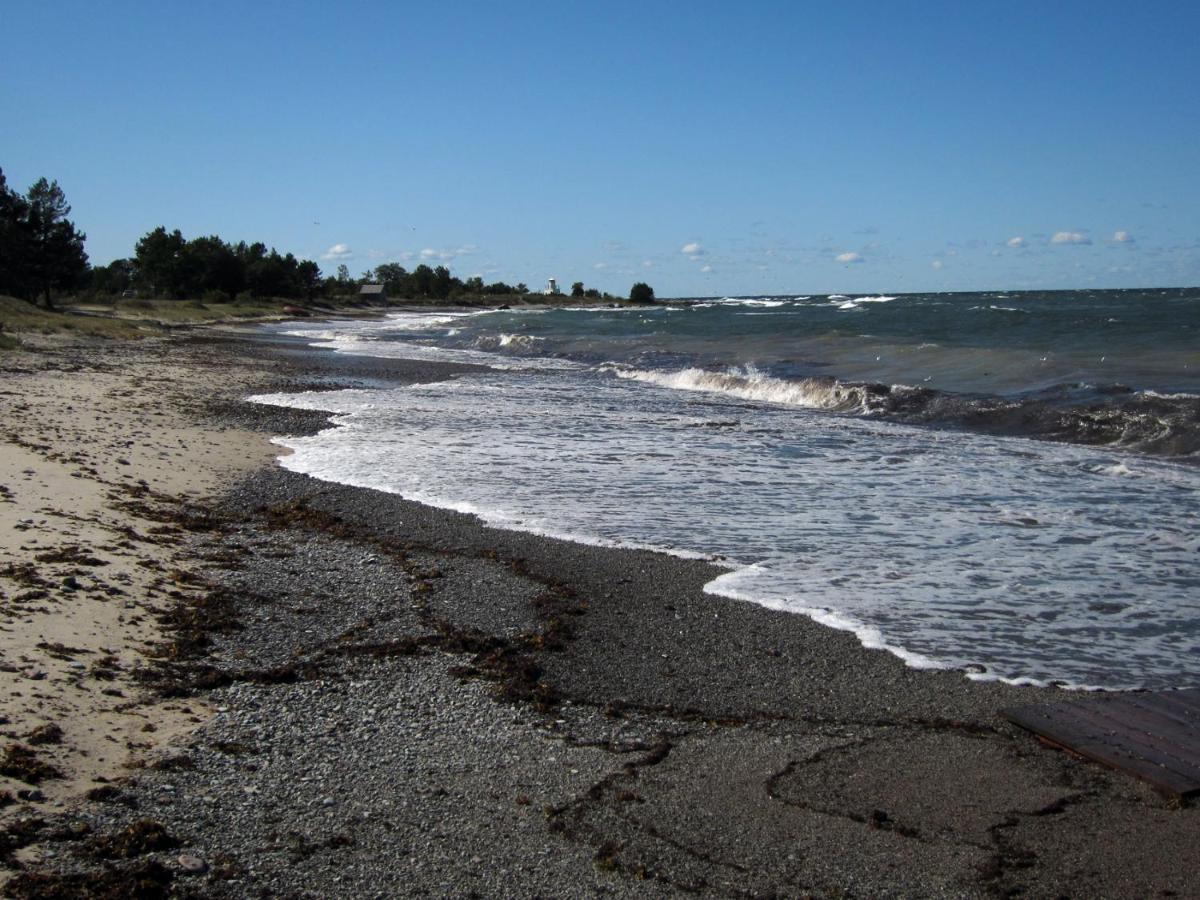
1004 483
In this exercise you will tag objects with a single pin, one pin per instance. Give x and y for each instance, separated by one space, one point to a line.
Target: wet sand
370 697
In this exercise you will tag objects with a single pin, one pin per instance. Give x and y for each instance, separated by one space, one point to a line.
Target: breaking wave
749 384
1143 421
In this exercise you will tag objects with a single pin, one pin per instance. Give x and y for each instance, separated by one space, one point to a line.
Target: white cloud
1122 237
1070 237
431 253
1016 242
692 250
850 257
706 268
937 264
647 264
337 251
600 265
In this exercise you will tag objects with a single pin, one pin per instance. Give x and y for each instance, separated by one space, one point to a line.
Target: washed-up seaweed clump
142 837
145 879
22 763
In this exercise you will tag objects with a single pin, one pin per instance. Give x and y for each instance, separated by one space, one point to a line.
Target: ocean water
1002 483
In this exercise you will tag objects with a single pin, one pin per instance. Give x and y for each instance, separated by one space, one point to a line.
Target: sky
704 148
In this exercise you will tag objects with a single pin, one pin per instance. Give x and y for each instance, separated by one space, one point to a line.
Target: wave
749 301
1115 416
419 321
1104 415
856 302
747 383
513 343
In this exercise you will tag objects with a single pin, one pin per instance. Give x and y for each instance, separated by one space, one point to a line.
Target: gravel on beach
409 703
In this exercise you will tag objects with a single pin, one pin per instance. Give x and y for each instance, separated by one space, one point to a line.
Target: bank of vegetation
48 284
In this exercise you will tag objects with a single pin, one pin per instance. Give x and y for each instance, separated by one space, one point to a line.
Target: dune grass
122 319
18 316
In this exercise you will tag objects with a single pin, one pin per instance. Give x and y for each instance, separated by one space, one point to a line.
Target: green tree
113 279
14 275
394 278
56 257
158 261
310 278
443 283
577 289
641 293
210 264
422 281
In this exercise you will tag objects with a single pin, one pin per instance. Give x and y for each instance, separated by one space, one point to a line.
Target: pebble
192 865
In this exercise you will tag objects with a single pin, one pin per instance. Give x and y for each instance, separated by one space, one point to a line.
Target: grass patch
20 316
130 317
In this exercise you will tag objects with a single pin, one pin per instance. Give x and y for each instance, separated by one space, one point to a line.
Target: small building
551 287
373 292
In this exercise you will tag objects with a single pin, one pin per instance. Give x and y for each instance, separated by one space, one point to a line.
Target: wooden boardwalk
1155 736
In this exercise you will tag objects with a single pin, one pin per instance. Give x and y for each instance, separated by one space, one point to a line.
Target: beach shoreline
406 701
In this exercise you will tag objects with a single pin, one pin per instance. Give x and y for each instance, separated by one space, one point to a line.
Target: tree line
41 251
165 264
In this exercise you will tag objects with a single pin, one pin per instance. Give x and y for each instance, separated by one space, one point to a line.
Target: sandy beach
224 679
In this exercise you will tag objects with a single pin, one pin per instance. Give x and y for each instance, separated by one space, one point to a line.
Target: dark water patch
1111 415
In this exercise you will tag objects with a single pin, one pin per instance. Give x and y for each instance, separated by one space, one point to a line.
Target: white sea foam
857 302
730 586
751 301
1165 396
521 341
747 383
402 336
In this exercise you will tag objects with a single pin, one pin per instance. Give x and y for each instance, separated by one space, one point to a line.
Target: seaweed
45 734
146 880
143 836
22 763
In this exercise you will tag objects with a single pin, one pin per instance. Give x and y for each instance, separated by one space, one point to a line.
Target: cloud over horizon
337 251
849 257
1122 237
1016 242
692 250
430 253
1070 237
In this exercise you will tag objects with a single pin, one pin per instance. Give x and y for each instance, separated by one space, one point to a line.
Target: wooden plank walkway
1155 736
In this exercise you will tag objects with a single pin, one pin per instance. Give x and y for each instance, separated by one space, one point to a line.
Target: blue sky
706 148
